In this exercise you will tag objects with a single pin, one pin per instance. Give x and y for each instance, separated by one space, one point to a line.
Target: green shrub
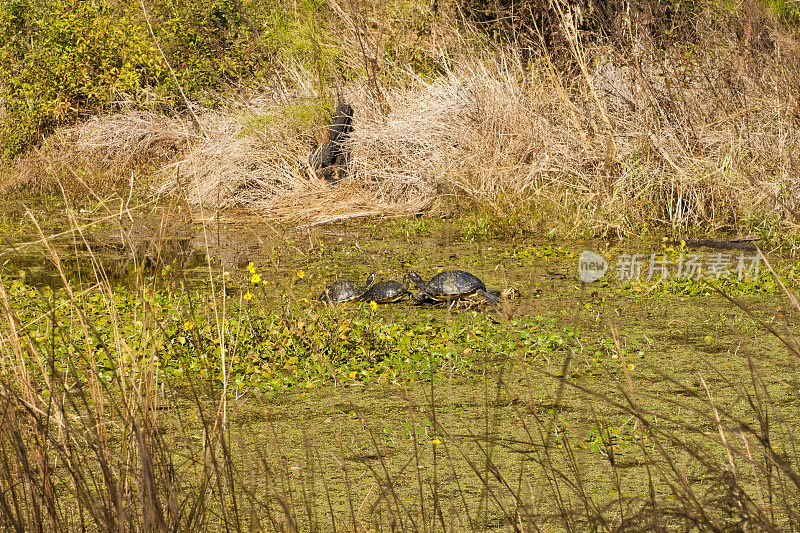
786 11
60 60
63 60
207 43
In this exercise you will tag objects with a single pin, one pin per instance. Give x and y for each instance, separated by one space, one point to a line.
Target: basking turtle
451 285
345 291
385 292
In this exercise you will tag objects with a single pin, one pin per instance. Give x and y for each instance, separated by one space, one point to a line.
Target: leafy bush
206 42
63 60
60 60
787 11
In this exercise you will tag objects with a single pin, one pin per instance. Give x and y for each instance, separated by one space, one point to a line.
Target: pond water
163 247
670 329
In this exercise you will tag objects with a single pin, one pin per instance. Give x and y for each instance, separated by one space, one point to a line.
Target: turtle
385 292
345 291
451 285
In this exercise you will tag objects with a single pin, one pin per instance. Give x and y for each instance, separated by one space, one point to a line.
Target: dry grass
105 152
231 164
618 149
607 141
475 129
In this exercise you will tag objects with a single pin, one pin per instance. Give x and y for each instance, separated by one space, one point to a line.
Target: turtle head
414 278
325 297
361 289
419 297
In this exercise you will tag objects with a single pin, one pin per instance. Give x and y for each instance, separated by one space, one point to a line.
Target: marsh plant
195 407
556 115
219 396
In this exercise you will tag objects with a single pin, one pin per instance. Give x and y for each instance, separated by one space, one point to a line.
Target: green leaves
60 61
265 349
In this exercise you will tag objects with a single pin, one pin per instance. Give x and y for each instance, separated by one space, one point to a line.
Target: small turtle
385 292
451 285
345 291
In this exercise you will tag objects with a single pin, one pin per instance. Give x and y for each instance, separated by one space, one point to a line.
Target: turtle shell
385 292
345 291
453 284
339 292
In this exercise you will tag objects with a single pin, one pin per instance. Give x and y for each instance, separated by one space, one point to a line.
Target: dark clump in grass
569 117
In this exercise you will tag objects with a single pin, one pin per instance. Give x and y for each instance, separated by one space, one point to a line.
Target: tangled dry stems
680 139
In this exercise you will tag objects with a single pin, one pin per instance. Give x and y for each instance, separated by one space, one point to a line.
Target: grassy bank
668 125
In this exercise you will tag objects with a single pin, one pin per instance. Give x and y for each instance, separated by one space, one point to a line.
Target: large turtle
385 292
345 291
451 285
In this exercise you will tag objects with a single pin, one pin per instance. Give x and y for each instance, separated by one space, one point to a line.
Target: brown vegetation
610 135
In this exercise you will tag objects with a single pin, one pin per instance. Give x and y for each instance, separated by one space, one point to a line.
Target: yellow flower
251 268
373 305
300 274
248 296
436 441
188 324
255 278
